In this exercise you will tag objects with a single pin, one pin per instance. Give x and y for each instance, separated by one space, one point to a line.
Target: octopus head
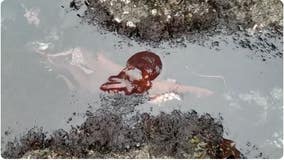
141 68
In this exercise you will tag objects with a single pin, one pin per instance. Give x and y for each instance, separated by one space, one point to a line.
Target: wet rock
157 20
250 13
266 45
106 134
32 140
255 25
121 104
42 154
153 20
176 131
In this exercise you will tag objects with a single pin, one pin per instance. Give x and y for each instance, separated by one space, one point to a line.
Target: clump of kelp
105 134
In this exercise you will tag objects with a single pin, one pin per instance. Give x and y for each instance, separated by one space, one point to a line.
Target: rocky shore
106 134
250 24
157 20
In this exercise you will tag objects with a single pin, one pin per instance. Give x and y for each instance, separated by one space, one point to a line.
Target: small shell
130 24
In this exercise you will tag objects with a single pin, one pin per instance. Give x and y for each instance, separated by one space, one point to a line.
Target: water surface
248 91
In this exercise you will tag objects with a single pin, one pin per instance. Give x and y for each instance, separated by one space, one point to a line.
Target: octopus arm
108 64
68 82
167 86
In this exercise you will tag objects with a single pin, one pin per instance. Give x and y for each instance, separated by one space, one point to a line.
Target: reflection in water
264 103
32 15
264 107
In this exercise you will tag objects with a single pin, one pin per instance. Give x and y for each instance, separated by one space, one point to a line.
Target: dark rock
106 133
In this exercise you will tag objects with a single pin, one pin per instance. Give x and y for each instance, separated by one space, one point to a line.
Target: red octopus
141 68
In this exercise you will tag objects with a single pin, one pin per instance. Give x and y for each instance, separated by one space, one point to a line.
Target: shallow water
247 91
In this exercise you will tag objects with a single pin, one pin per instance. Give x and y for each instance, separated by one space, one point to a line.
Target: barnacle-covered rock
150 20
157 20
254 14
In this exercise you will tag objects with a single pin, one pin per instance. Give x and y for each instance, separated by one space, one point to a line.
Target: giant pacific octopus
87 72
141 68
